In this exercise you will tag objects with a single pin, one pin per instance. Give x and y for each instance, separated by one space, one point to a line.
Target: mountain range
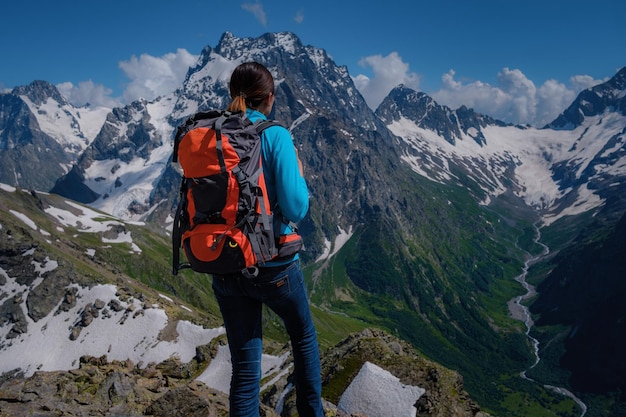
421 216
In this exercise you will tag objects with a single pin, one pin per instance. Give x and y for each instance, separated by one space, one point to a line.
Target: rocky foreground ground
169 389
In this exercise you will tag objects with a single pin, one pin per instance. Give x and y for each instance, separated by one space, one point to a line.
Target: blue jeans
241 299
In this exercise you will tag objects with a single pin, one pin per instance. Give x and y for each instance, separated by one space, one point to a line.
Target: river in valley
520 312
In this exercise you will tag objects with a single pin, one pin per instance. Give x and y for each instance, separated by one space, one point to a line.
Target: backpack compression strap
218 140
176 232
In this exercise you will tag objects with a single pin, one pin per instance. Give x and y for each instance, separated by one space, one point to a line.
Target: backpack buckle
251 272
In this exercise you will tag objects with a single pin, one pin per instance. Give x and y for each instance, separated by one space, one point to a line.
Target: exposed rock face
99 388
445 395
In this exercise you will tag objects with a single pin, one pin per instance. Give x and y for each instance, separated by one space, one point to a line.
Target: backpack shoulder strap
261 125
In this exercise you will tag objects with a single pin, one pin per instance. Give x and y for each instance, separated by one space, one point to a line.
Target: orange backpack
223 221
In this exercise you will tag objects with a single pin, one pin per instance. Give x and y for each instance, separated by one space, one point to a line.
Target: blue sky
519 61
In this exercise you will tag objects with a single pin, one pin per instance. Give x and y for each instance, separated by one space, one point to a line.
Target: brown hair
250 84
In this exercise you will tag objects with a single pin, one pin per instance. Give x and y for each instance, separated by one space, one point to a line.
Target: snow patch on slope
73 128
375 392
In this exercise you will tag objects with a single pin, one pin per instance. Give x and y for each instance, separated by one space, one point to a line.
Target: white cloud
299 17
88 92
257 10
553 97
515 99
389 71
582 82
151 76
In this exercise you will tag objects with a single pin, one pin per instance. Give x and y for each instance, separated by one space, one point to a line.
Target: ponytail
238 104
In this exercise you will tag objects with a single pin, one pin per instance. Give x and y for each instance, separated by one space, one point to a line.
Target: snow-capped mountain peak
74 128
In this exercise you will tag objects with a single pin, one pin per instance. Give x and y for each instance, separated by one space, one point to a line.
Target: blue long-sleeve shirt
286 188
